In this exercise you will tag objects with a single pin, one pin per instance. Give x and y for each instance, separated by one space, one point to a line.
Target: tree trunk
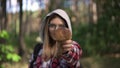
76 11
54 4
21 35
93 12
0 18
3 15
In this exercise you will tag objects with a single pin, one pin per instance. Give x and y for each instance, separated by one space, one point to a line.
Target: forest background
96 27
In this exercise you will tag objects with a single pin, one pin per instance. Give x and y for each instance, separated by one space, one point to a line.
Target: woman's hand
67 46
64 47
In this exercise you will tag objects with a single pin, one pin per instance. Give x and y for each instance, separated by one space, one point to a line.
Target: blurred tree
93 12
55 4
27 15
75 10
102 37
3 15
80 10
108 26
21 35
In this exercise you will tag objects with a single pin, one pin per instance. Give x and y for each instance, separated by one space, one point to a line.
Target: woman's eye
52 25
62 26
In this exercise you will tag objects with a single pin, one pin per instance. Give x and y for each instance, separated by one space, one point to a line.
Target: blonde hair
49 50
50 46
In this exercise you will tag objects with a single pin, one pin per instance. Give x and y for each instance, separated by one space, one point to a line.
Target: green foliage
98 39
4 34
7 50
8 54
31 40
14 57
104 36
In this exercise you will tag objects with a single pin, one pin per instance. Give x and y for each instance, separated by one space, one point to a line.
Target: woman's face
56 23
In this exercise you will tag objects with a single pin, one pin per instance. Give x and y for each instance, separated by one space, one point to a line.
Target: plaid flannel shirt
67 60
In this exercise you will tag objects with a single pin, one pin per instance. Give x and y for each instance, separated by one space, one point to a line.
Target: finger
67 42
67 46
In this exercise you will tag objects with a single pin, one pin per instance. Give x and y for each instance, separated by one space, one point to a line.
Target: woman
53 54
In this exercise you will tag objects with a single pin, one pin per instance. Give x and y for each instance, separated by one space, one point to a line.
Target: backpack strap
37 48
